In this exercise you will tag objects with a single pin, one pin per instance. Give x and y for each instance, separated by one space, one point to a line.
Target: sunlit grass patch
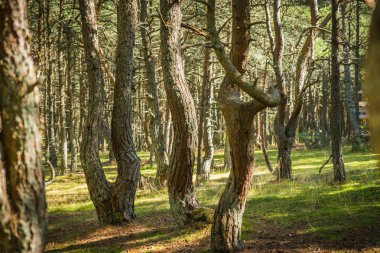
311 205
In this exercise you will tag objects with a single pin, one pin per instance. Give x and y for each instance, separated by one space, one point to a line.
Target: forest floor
307 214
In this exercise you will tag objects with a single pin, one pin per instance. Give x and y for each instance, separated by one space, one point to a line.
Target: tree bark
239 115
62 94
208 145
336 114
49 113
114 203
128 163
204 124
72 113
349 97
22 190
373 77
154 115
182 197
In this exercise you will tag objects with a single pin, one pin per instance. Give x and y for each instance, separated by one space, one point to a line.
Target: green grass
309 211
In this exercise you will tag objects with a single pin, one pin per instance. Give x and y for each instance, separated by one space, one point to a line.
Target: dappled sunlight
307 209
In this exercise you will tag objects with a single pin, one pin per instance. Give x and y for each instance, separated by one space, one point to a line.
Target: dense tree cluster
179 79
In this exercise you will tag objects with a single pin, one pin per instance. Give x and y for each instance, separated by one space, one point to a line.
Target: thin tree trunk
349 98
72 113
62 94
22 191
154 114
227 153
51 151
336 114
182 198
203 170
208 145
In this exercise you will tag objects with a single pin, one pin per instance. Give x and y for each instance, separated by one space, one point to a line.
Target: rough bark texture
348 90
336 114
182 198
208 145
373 77
114 203
72 113
128 163
22 191
285 129
154 115
205 125
239 115
49 95
62 94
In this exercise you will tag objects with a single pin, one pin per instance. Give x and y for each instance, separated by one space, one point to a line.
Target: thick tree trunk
182 198
373 77
114 203
226 227
22 191
154 114
239 115
128 163
336 114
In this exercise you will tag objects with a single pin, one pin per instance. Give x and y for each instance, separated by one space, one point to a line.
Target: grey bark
154 115
183 202
114 203
22 191
336 113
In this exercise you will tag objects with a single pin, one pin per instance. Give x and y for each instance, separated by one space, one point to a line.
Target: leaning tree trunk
239 115
22 191
154 114
114 203
335 114
182 198
286 131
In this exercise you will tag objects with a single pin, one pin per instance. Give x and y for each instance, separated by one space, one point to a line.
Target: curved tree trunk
114 203
22 190
154 114
286 131
182 198
239 115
